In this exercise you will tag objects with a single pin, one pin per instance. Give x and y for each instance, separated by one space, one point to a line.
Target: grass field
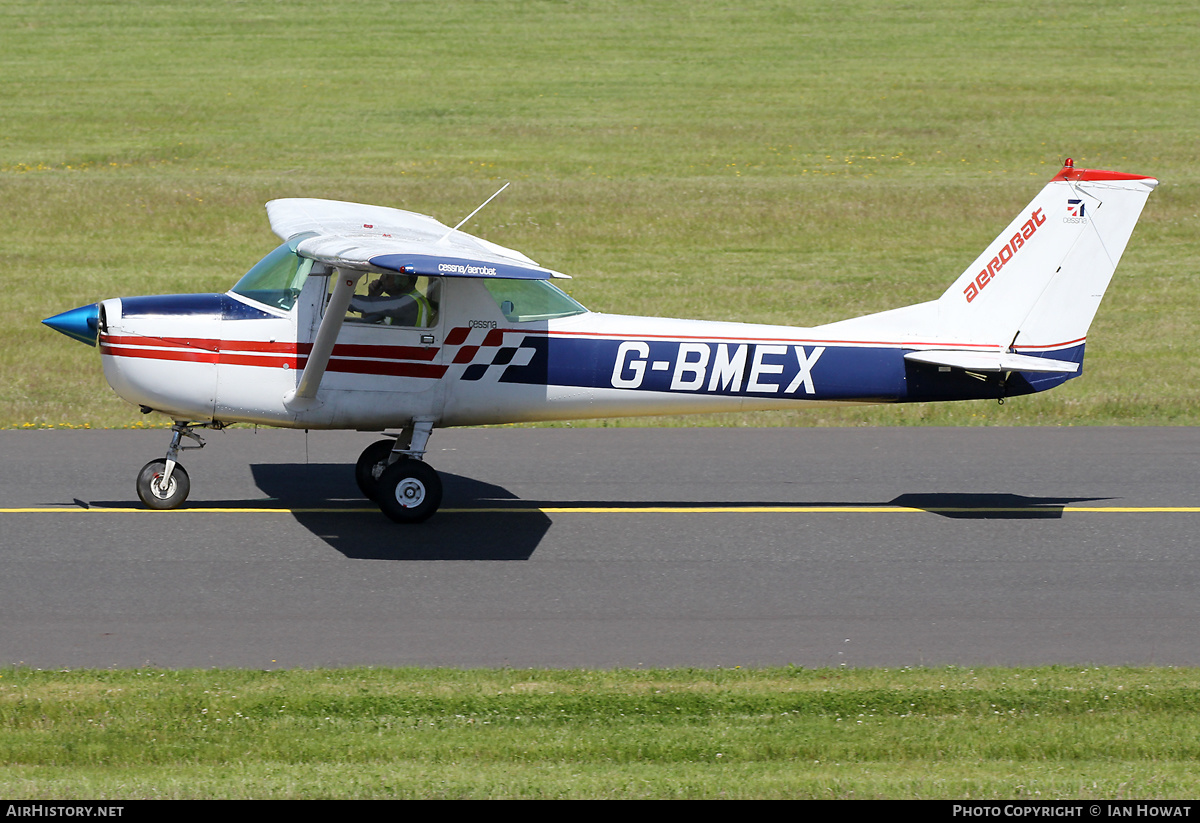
957 733
766 161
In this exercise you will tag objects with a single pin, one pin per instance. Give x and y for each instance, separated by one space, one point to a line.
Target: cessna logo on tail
1075 211
720 367
1007 253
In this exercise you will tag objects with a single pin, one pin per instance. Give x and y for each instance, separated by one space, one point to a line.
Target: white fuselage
221 357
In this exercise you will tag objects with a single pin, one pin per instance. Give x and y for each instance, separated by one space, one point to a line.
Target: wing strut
304 395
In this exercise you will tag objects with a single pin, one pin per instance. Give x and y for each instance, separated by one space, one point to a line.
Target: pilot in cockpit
394 300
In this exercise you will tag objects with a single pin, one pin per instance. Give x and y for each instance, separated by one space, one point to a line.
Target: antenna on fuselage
472 214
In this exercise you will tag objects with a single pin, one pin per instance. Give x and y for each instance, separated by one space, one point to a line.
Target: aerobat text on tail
374 318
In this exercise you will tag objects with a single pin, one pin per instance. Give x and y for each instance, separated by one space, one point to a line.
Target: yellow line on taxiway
632 509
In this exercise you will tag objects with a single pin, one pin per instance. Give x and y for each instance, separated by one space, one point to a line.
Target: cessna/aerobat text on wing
373 318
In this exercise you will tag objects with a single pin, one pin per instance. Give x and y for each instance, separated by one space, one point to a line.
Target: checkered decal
488 358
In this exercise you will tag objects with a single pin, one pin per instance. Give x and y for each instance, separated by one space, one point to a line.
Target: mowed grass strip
1049 733
772 162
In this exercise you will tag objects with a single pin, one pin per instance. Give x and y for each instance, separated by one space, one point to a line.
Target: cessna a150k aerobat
373 318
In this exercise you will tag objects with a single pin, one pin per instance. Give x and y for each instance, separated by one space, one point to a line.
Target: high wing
375 238
355 237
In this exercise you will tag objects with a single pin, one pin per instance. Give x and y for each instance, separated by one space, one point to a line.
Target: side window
525 300
390 299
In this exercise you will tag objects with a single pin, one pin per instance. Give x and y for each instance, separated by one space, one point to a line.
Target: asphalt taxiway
610 547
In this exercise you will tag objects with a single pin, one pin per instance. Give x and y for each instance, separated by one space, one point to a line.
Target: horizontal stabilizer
992 361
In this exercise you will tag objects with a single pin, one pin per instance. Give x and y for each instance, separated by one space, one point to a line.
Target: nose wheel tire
158 495
409 491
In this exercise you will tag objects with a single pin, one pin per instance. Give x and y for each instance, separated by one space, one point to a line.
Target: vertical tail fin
1037 286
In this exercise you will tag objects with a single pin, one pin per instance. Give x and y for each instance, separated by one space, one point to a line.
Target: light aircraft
378 319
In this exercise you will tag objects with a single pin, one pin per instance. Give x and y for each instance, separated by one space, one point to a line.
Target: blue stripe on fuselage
761 370
712 368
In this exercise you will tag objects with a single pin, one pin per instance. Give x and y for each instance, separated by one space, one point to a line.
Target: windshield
524 300
275 280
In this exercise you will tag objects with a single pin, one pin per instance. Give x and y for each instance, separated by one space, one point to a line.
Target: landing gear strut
395 476
163 483
393 473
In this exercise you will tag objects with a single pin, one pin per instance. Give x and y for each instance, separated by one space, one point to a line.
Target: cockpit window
525 300
275 280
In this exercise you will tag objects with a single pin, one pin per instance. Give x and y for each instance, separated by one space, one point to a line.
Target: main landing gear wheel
371 465
409 491
157 495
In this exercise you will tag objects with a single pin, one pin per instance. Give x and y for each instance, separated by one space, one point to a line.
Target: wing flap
992 361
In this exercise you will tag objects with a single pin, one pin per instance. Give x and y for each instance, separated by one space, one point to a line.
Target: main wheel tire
409 491
154 494
371 465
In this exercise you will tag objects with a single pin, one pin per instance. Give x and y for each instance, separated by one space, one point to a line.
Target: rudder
1037 287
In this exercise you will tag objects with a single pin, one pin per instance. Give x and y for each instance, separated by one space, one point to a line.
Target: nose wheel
163 483
159 489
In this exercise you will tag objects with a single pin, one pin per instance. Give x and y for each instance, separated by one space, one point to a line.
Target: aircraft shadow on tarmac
479 535
966 506
316 491
956 505
448 535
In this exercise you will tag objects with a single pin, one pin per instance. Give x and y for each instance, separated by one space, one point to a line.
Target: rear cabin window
524 300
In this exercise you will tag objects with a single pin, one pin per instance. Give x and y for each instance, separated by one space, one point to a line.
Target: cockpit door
391 338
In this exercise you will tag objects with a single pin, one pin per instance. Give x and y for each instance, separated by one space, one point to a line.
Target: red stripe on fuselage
390 368
423 353
346 358
190 356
